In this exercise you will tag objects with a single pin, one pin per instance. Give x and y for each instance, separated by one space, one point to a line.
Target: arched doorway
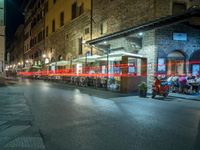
195 63
53 59
176 63
60 57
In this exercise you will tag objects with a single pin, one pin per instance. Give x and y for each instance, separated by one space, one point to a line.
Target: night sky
14 17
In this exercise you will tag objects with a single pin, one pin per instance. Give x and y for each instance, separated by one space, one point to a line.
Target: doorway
176 63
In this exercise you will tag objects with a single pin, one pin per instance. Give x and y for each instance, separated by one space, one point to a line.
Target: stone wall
120 15
65 40
149 51
55 44
76 30
165 43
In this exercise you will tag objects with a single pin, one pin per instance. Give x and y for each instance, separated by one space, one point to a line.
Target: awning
88 58
35 67
117 56
60 63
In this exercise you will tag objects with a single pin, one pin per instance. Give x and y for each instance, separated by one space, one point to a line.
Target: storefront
170 45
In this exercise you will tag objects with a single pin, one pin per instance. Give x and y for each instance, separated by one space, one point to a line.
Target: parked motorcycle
162 90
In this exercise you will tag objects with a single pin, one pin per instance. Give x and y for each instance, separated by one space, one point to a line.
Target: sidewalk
16 123
195 97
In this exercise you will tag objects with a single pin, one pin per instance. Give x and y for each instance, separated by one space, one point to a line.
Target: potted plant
143 89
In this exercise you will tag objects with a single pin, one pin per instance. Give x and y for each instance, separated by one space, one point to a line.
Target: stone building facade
116 15
17 54
166 46
2 38
113 18
63 33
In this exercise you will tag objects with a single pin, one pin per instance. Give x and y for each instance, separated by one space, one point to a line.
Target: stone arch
194 63
60 57
69 56
176 62
53 59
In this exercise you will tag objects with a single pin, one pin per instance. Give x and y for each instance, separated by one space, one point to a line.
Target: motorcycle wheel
153 95
165 95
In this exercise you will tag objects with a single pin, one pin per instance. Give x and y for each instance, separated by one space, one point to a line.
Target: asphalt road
81 119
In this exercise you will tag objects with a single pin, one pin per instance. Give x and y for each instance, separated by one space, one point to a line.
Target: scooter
162 90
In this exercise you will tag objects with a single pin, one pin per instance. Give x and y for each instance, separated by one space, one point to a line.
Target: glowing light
140 34
44 55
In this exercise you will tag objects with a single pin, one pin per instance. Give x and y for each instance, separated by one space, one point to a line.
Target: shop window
53 26
74 10
178 8
80 49
61 18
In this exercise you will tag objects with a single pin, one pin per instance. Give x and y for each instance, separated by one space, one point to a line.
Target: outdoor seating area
117 71
184 84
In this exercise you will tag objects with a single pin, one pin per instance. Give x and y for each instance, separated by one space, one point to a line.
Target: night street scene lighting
100 75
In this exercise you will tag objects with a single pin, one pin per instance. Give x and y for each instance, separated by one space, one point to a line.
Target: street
62 117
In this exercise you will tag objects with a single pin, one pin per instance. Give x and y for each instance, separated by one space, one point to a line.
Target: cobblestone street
38 115
16 130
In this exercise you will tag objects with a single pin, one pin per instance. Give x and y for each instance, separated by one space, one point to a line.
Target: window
74 6
103 27
46 7
178 8
87 31
80 50
40 36
81 9
47 31
53 26
61 18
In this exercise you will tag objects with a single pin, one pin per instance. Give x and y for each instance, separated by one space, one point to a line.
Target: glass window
47 31
61 18
1 16
74 9
80 50
53 26
178 8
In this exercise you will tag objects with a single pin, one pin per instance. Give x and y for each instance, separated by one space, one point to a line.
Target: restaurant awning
117 56
60 63
86 58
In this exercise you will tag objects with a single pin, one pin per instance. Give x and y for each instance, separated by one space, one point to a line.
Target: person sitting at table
189 84
175 84
182 84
